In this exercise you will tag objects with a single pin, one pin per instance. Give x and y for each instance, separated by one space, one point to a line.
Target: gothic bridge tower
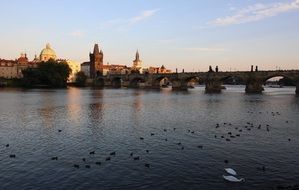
96 62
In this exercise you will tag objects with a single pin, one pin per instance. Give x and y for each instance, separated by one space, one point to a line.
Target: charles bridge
213 81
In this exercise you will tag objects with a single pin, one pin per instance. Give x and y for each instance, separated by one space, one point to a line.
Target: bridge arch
136 82
191 81
161 81
283 76
116 82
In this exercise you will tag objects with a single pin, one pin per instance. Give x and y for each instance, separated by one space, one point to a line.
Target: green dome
47 53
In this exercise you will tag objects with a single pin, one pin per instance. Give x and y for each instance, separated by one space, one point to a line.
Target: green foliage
51 74
80 79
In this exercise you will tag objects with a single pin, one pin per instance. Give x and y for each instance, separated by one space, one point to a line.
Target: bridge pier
179 85
98 82
297 88
254 87
213 86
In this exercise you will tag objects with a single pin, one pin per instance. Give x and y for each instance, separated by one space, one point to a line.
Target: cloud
256 12
206 49
76 33
125 23
144 15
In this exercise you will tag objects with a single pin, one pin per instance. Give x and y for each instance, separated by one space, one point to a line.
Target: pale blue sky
190 34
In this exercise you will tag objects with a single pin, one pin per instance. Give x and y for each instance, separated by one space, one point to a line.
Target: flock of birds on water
234 131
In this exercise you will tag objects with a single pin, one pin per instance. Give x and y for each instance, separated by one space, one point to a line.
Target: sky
182 34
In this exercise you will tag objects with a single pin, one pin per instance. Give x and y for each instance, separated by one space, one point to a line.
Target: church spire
137 56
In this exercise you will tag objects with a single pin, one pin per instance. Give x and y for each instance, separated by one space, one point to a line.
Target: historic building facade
96 62
75 67
95 66
47 53
137 64
13 68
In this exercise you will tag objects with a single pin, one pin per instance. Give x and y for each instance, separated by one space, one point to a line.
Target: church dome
47 53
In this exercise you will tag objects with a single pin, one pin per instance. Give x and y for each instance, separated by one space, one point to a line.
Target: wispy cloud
144 15
256 12
205 49
76 33
125 23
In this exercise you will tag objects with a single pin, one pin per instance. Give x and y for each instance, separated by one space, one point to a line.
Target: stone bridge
254 80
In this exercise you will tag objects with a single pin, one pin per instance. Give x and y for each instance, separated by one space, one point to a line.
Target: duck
230 171
112 153
76 166
233 179
54 158
137 158
92 152
98 163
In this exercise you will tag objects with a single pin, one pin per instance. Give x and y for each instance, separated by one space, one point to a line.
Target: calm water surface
111 120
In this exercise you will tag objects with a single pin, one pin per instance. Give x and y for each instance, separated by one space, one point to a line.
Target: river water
181 148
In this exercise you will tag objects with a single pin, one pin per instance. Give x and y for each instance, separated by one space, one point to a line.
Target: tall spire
137 55
96 49
48 46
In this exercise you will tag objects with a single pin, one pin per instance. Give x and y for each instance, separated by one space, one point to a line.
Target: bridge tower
96 62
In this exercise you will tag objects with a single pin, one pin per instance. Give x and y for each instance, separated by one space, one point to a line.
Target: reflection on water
96 108
164 129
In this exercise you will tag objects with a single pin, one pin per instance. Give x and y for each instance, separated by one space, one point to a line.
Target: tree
51 73
80 78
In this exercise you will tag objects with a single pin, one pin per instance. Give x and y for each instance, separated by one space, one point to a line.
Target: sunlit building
13 68
137 64
75 66
47 53
95 66
153 70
